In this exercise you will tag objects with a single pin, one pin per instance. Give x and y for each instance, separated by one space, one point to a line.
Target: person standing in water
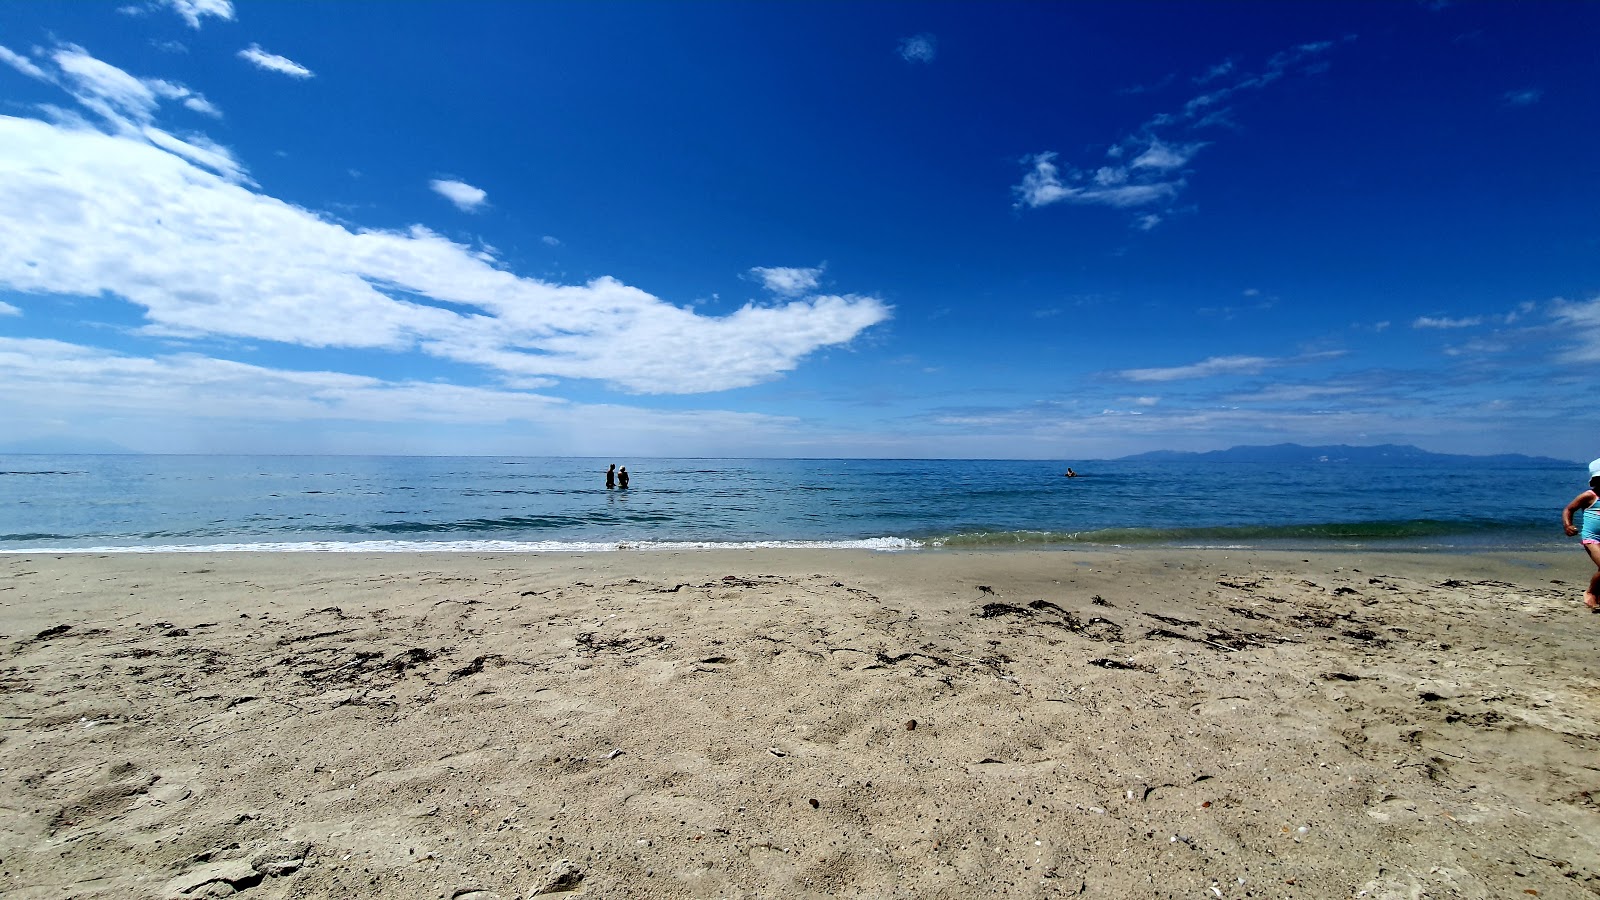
611 477
622 478
1590 531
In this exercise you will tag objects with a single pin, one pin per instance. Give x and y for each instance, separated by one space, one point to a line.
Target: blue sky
905 230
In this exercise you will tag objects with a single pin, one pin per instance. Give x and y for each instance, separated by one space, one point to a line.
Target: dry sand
799 724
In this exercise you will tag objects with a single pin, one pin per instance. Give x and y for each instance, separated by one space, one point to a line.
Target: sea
149 503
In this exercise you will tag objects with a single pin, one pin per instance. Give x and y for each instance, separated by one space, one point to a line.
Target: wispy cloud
1044 185
22 64
192 11
1580 320
920 48
127 105
1222 365
1445 322
272 62
551 241
466 197
1217 71
1159 84
1524 97
1145 168
7 309
788 282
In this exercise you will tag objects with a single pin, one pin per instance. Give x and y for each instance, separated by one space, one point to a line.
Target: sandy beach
799 724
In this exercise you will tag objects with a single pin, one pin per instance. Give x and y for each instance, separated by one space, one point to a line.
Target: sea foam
881 544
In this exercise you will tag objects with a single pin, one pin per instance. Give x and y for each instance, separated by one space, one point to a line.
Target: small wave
1240 535
883 544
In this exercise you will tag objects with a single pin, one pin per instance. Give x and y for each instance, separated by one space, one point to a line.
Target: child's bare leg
1591 598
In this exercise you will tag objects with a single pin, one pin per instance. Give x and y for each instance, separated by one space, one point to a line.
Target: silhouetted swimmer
611 477
1070 473
622 478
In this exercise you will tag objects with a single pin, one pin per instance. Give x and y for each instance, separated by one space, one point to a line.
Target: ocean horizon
66 503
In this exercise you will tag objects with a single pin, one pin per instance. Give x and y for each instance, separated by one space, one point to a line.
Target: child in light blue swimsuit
1589 531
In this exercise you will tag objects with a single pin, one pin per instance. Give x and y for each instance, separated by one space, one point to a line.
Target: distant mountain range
1381 454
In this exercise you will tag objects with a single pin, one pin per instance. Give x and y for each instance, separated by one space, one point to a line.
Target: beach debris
1118 664
176 632
1340 676
776 752
564 875
590 643
736 581
613 754
1098 600
52 632
991 610
911 724
476 666
985 589
472 893
1171 620
408 659
814 803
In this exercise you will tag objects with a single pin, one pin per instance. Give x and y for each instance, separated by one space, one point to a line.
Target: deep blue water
511 503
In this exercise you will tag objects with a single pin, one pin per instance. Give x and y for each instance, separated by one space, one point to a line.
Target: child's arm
1582 501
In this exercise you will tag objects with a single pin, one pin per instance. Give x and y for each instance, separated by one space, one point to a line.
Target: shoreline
1105 722
879 544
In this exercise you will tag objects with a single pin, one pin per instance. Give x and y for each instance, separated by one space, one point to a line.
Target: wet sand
799 724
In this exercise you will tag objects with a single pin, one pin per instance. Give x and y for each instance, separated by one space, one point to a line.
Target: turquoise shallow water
538 503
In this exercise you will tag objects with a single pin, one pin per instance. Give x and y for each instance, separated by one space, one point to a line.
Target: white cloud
7 309
1442 322
919 48
203 106
170 402
466 197
788 282
1217 71
1159 149
127 107
193 10
1524 97
1581 321
1216 365
1224 365
1298 393
551 241
107 90
22 64
87 213
272 62
1161 157
1044 186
